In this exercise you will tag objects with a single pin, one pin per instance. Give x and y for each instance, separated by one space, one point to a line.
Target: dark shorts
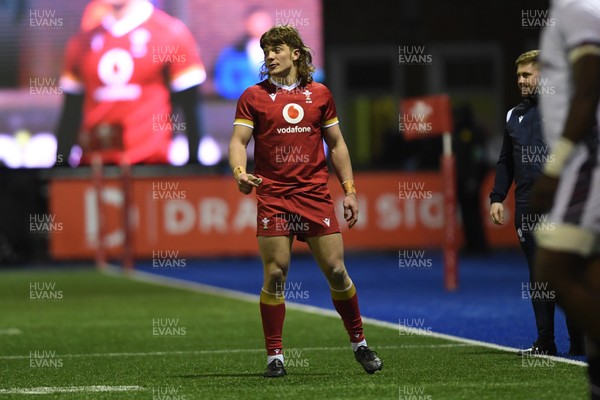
303 214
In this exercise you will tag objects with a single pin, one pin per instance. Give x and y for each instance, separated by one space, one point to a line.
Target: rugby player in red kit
289 115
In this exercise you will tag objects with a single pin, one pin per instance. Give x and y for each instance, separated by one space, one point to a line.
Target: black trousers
543 305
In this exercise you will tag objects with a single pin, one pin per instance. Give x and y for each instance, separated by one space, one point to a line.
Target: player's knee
336 273
559 272
276 273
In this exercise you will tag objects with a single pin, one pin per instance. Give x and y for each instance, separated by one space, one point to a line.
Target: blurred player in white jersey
569 188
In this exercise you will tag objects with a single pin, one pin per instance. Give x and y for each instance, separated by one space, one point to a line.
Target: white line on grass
228 351
234 294
10 331
70 389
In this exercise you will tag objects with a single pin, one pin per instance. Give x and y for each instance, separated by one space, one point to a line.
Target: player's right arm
238 159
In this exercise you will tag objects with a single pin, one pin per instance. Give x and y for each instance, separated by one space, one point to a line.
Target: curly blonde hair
287 34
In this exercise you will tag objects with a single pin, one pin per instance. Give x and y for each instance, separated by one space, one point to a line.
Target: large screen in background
34 34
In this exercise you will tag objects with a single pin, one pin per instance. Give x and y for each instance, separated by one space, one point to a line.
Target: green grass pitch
82 334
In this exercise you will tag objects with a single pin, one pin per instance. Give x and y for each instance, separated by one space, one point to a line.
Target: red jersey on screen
287 125
126 70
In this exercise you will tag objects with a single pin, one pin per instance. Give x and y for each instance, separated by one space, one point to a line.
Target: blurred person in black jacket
471 168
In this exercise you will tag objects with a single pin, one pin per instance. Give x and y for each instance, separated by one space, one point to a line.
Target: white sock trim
272 294
343 290
355 346
276 357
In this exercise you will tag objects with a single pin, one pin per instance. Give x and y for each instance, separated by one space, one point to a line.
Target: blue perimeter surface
490 305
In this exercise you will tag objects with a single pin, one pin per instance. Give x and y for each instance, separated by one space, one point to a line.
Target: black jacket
523 154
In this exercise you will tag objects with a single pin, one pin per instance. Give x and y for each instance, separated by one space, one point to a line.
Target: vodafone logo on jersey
293 113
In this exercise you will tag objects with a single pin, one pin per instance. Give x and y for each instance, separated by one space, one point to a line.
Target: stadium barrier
206 216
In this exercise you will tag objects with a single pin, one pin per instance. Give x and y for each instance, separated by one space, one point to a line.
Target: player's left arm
340 159
581 119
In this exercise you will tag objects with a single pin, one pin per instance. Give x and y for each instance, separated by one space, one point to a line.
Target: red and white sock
272 312
345 302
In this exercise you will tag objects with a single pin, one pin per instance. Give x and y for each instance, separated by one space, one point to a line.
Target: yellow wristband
560 154
349 187
237 171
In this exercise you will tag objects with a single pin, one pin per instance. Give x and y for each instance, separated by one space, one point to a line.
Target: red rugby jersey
287 125
126 69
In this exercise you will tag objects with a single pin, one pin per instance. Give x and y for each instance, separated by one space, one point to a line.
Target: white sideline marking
70 389
234 294
10 331
227 351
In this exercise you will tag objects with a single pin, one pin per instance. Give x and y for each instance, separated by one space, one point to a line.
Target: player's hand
247 182
350 210
497 213
542 194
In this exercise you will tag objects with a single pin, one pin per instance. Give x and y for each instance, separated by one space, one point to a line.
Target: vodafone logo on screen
293 113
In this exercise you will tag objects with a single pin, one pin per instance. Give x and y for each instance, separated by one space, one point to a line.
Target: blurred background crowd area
370 54
465 50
